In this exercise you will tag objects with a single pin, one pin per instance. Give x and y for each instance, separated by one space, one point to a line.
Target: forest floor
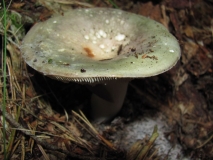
43 120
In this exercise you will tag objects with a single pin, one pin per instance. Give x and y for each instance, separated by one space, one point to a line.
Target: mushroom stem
106 106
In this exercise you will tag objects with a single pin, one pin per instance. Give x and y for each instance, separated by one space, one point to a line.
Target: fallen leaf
17 5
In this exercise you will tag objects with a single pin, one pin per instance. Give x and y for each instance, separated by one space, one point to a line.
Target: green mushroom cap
90 45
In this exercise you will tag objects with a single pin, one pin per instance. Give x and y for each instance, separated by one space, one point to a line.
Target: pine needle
4 77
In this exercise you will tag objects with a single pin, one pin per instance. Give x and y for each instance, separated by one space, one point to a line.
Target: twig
204 143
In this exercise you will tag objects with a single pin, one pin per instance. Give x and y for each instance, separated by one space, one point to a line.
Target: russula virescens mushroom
100 46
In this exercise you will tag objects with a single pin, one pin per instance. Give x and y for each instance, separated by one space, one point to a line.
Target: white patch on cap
120 37
97 35
49 30
94 38
92 31
102 33
113 48
107 21
107 50
61 50
122 22
86 37
54 21
171 50
102 46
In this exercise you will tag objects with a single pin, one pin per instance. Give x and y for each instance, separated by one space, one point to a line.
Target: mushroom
103 47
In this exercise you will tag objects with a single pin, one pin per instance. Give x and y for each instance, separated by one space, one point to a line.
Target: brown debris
175 22
150 10
17 5
199 64
181 4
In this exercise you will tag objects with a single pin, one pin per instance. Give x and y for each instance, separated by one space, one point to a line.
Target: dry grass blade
204 143
84 4
60 6
14 85
93 132
46 157
135 149
22 148
14 89
15 146
70 135
13 94
148 145
65 133
140 149
212 28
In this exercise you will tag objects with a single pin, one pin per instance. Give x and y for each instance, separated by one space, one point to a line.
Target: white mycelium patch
141 128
